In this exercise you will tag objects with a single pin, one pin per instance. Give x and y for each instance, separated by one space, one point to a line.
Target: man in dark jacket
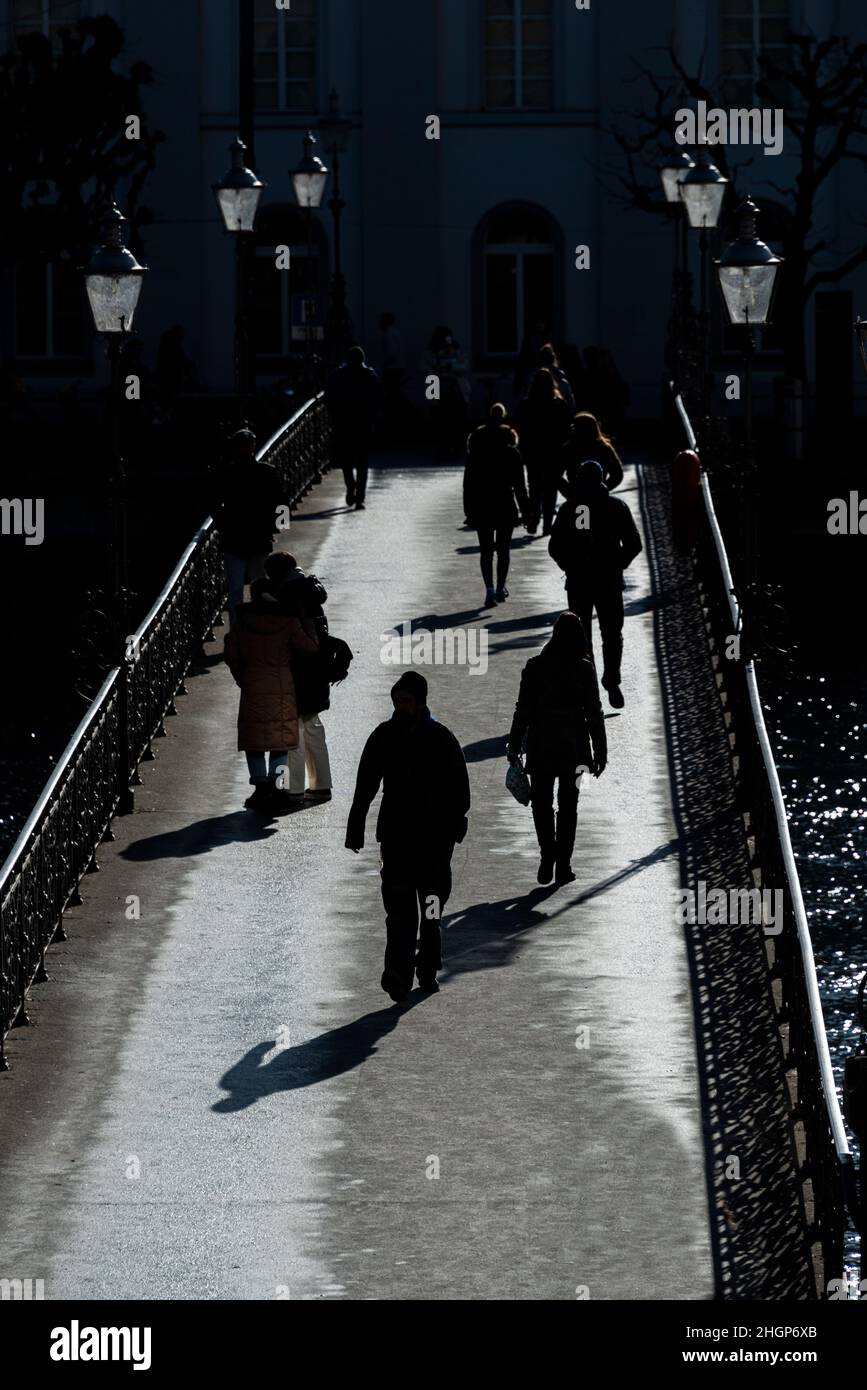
593 541
248 496
353 395
425 800
303 595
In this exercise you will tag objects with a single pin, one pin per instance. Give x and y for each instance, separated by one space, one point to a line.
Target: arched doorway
517 280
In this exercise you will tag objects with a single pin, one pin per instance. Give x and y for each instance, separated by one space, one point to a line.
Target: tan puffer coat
257 652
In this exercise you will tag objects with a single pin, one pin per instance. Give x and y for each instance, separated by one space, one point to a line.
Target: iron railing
96 772
827 1164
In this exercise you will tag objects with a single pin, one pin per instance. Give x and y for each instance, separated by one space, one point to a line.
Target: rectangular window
50 310
44 17
518 55
284 59
749 30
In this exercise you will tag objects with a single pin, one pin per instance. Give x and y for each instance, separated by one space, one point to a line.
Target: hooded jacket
425 786
601 550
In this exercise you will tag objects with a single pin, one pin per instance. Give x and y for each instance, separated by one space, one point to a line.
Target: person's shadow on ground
319 1059
201 837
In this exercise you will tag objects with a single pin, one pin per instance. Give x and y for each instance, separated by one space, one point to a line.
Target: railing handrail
170 584
91 715
805 942
287 425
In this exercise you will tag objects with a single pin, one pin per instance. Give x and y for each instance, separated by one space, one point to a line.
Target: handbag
518 783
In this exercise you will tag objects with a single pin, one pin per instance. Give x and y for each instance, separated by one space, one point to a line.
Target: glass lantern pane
747 292
703 203
238 207
671 183
113 300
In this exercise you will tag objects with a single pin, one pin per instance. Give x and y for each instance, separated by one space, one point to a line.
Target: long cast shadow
319 1059
200 837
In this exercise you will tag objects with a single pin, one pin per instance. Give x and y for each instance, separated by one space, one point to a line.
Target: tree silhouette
63 140
825 81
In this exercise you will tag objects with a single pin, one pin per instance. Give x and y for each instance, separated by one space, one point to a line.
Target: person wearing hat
594 541
248 497
425 800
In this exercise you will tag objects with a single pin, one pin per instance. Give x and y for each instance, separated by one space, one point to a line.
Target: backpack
338 658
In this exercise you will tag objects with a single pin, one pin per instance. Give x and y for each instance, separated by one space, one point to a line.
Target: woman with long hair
586 440
560 714
495 497
542 421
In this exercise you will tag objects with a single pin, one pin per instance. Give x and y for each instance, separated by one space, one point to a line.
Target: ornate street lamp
335 128
309 176
308 182
113 280
702 189
237 194
671 171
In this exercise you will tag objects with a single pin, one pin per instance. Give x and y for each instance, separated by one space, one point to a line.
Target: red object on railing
685 498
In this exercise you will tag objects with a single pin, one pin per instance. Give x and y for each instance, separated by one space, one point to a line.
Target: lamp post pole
113 280
747 272
335 133
308 183
703 189
237 194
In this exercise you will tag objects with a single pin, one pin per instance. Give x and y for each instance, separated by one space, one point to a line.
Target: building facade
479 228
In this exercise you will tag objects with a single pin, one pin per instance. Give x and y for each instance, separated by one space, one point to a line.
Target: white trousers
311 756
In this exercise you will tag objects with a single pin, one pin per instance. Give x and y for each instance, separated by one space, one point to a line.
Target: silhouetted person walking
585 440
247 497
594 540
258 652
558 710
353 396
495 497
542 420
423 814
303 595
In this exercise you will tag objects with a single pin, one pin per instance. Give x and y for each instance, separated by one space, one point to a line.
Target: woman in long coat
560 714
258 653
495 497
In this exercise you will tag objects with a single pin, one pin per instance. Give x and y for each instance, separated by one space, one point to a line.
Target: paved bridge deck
217 1100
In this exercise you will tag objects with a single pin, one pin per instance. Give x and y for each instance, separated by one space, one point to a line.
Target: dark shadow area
320 1059
236 827
431 622
521 624
486 748
487 935
321 516
757 1228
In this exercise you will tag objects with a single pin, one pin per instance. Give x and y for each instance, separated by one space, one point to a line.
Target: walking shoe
323 795
360 507
260 800
394 988
546 869
615 697
564 874
428 984
490 598
282 801
502 594
350 497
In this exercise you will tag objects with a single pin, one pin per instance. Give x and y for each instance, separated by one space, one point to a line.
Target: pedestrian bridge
216 1100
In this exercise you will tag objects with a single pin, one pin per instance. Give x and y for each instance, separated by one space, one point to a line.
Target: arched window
518 255
286 302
